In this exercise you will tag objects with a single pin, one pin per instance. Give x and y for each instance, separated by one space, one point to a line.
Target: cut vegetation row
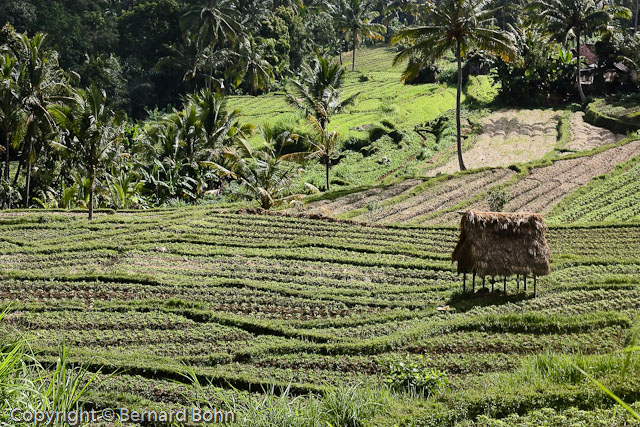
536 186
252 301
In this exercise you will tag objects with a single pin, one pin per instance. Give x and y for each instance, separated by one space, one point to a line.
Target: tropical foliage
461 25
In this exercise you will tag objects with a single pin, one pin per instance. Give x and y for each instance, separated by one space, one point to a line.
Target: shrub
497 199
416 377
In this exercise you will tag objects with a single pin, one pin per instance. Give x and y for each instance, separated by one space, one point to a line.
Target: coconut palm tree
318 94
218 123
177 145
460 25
10 111
323 148
265 172
354 18
90 135
251 67
41 83
578 18
212 23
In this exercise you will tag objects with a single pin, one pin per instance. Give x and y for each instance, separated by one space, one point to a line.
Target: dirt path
585 136
509 137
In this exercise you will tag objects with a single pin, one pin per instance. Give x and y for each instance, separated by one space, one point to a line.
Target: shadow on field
484 297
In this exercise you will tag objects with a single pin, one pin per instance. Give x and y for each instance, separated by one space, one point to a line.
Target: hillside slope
548 171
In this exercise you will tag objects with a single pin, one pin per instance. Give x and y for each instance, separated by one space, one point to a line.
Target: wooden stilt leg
505 285
483 286
473 289
518 282
525 283
535 286
493 281
464 282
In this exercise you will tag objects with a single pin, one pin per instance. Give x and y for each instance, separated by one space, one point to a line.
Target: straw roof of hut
502 244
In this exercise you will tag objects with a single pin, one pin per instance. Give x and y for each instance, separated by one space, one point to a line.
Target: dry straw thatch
501 244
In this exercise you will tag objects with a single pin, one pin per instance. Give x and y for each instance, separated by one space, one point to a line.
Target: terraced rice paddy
509 137
250 301
539 188
382 96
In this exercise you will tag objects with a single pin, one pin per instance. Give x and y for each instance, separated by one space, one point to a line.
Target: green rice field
249 303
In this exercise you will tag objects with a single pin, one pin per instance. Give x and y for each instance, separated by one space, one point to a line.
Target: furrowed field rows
534 187
249 301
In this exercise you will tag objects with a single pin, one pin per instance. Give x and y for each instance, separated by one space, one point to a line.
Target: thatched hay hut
502 244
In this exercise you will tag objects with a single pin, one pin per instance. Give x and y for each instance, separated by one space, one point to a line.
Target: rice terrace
351 213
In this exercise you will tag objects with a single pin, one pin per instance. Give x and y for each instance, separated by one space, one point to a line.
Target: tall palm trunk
7 158
458 96
17 174
92 180
27 191
327 166
353 59
583 98
4 137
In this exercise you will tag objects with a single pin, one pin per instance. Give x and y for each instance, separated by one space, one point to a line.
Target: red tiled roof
587 51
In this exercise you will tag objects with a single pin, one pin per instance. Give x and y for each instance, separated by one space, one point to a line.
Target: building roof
588 52
502 244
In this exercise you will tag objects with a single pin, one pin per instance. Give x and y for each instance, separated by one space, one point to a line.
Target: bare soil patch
586 137
509 137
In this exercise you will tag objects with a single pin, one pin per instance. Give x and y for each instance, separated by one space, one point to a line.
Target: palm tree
354 18
460 25
578 18
178 144
318 94
265 172
10 112
212 23
90 135
219 124
323 148
251 67
40 84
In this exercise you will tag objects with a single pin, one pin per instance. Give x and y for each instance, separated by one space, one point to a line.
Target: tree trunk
637 12
7 158
27 192
353 58
92 180
15 177
7 164
583 98
458 96
504 15
327 166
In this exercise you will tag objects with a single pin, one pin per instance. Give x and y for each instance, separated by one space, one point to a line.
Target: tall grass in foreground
27 385
347 405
